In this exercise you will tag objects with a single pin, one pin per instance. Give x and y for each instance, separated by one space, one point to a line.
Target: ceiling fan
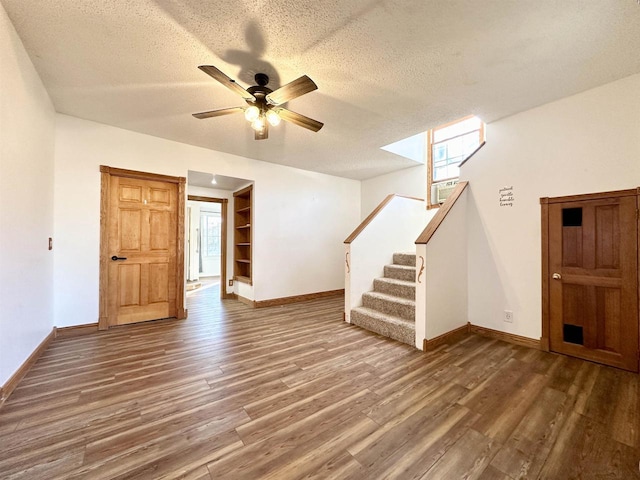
263 104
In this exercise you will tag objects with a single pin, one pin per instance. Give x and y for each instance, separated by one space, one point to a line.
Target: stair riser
404 334
404 259
389 307
408 275
403 291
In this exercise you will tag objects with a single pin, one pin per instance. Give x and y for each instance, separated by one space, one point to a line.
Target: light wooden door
142 250
593 279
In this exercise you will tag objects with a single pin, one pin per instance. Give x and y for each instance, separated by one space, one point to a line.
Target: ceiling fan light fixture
273 118
258 124
252 113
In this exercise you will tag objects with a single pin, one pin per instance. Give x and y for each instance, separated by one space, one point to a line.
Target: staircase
390 309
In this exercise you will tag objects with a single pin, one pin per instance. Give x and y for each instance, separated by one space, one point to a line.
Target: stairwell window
448 146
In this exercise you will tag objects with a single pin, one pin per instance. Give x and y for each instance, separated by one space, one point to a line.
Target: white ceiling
386 69
203 179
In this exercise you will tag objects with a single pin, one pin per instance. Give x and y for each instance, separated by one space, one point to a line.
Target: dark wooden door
593 284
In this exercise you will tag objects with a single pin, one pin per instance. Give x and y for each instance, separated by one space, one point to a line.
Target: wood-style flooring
293 392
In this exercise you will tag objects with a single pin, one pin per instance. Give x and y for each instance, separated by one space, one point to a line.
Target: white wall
27 122
445 276
586 143
301 218
411 182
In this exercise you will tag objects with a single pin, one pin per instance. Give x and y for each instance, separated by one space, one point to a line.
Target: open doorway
206 235
209 264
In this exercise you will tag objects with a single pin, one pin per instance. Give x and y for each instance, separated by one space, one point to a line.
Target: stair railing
391 227
441 272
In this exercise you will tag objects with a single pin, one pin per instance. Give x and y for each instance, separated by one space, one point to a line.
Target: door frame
224 202
106 173
545 342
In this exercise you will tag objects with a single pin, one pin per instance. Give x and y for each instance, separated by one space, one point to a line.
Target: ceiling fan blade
291 90
300 120
226 81
218 113
264 134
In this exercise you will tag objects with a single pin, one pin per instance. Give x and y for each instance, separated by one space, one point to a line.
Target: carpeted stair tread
390 304
387 325
391 298
400 272
393 286
387 318
404 258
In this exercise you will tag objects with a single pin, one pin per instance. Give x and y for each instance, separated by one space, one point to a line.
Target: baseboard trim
449 337
246 301
506 337
7 389
76 330
297 298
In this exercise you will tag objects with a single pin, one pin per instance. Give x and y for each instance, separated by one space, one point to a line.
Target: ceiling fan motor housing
260 92
261 79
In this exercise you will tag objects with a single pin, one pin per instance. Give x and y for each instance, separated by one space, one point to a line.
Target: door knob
556 276
115 257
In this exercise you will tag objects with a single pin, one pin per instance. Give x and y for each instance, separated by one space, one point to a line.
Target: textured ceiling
386 69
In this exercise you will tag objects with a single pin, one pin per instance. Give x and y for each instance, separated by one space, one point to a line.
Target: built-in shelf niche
243 235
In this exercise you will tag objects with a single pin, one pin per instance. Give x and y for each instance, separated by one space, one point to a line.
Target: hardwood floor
294 392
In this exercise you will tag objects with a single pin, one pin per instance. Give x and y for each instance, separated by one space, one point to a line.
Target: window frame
204 223
430 143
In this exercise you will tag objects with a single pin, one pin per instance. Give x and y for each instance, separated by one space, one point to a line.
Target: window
448 146
210 228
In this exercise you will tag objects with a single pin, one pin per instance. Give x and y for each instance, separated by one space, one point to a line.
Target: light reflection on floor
205 303
207 283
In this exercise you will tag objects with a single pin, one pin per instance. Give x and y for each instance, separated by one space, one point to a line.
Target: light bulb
273 118
252 113
213 181
258 124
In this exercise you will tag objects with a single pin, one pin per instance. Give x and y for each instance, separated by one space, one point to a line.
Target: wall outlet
231 283
508 316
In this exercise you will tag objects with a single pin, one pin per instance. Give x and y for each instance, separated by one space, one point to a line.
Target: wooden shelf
243 234
240 278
